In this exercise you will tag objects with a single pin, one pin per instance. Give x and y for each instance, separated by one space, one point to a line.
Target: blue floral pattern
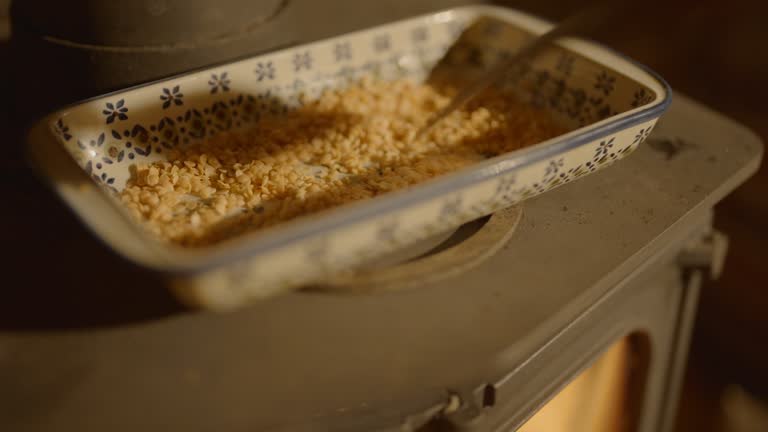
302 61
565 63
62 130
317 250
605 83
381 43
116 111
264 71
642 135
172 97
451 208
505 185
219 82
603 149
493 28
342 51
554 167
642 97
387 231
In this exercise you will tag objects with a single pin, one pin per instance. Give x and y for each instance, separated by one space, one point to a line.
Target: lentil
347 145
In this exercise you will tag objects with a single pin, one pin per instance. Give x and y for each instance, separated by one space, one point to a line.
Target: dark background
714 51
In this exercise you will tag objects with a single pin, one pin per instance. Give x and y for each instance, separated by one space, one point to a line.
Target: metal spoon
587 19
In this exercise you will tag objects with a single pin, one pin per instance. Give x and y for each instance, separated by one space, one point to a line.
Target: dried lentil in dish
348 145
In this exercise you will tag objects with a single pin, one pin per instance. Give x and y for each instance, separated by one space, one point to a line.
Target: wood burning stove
604 272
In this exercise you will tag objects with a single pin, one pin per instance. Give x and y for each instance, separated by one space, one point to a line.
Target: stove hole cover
440 257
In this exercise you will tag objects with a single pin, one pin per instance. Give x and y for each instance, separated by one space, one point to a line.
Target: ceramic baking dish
608 103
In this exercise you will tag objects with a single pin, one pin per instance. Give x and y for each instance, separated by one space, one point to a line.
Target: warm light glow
593 402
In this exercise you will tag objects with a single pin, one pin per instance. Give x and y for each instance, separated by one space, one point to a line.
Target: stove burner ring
448 255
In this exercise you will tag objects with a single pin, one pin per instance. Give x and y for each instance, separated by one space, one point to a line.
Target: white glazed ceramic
609 104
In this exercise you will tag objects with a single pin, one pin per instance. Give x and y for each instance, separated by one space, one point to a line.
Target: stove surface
316 352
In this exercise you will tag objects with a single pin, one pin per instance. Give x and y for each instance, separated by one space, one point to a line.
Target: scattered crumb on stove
348 145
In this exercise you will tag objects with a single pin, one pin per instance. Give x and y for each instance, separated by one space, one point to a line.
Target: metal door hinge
706 253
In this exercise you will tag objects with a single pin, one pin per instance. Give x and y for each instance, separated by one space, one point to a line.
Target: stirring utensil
585 20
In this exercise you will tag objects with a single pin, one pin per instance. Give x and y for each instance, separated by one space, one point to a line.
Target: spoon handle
585 20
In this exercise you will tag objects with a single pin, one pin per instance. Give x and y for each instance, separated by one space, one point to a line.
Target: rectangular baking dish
608 103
